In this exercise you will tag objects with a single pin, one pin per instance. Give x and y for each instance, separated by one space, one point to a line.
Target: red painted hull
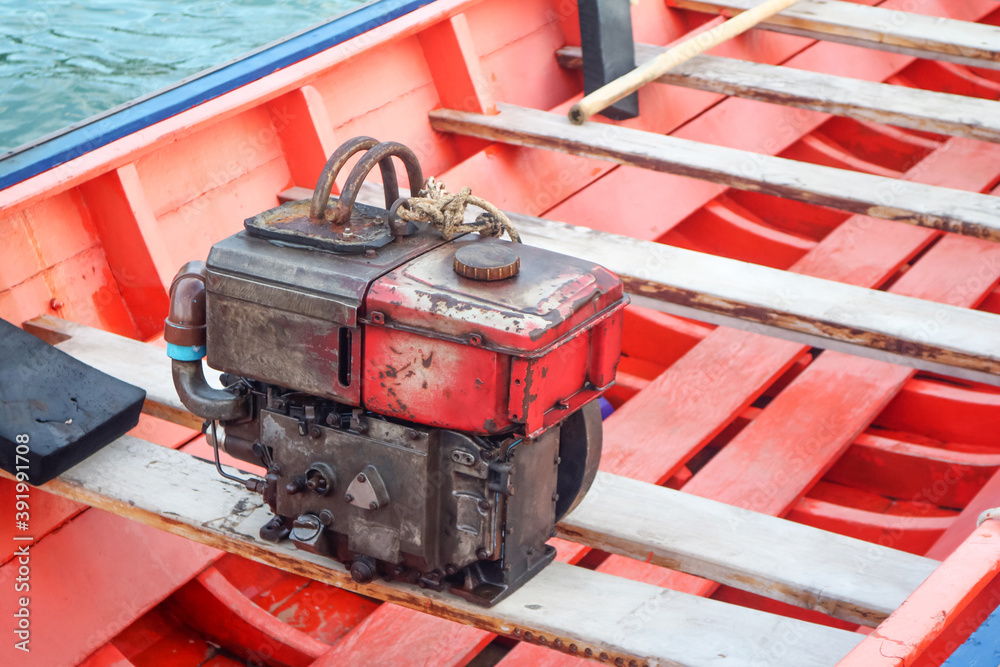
851 445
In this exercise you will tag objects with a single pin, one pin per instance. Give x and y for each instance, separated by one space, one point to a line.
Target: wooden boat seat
914 108
814 569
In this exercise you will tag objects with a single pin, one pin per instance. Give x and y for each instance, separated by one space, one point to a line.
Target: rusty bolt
373 505
620 662
55 304
450 568
293 487
484 504
558 643
331 419
326 517
588 652
362 478
349 498
482 554
528 636
370 254
573 648
314 431
542 639
633 663
604 656
378 318
362 571
362 427
412 434
475 340
517 632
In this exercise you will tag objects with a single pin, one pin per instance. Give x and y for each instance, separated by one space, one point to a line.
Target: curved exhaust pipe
184 331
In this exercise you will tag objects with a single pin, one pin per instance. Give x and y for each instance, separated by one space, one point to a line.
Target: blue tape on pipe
186 352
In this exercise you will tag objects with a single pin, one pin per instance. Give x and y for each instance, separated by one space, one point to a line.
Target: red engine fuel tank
479 355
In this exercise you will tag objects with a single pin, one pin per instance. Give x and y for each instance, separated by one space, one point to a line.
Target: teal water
61 62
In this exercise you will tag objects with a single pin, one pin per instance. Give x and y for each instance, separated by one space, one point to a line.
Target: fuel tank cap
487 261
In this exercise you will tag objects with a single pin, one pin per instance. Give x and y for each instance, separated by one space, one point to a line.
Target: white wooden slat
967 213
848 579
913 108
845 578
917 35
580 608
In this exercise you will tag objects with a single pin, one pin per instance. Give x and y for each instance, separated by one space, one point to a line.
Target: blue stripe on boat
982 649
101 130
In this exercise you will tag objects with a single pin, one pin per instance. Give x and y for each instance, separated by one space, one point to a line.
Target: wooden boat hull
835 441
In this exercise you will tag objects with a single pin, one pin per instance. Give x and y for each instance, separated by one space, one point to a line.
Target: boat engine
425 409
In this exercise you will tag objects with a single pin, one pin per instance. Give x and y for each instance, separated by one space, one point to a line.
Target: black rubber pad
60 408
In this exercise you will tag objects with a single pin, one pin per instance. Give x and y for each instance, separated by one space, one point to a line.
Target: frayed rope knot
445 212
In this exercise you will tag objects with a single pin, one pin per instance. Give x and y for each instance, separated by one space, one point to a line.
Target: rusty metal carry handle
378 153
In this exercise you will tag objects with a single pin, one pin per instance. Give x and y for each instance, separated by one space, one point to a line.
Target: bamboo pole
625 85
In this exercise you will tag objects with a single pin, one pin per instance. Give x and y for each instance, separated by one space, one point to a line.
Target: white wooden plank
968 213
848 579
933 37
912 108
611 617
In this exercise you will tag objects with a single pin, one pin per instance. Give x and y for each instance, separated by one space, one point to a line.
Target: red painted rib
218 610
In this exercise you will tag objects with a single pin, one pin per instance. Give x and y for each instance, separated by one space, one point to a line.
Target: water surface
61 62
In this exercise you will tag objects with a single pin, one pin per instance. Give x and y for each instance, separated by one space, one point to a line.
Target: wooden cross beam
913 108
968 213
845 578
933 37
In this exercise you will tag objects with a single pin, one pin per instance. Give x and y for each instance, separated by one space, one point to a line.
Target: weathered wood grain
844 578
967 213
581 609
912 108
918 35
847 579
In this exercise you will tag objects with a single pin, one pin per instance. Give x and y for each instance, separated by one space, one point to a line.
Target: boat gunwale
128 118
